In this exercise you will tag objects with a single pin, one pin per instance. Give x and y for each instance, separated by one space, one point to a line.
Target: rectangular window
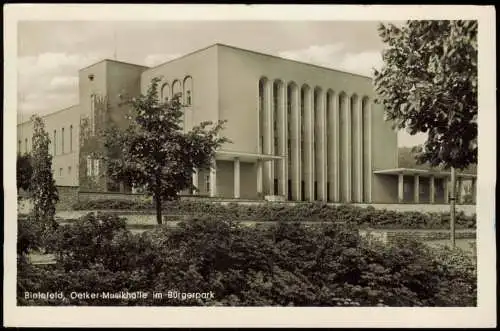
19 146
89 167
55 142
207 183
71 138
26 145
60 171
62 141
69 170
97 164
92 114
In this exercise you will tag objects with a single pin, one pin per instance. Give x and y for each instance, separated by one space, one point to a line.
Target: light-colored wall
62 159
97 86
122 79
202 67
385 189
239 74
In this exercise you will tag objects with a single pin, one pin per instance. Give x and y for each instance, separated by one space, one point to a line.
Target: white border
482 316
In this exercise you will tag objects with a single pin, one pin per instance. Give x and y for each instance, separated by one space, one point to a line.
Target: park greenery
286 264
35 175
155 153
428 83
304 212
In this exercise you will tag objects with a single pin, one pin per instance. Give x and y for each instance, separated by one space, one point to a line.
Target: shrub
311 212
283 264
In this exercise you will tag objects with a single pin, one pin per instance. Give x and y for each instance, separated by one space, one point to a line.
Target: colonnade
325 136
432 189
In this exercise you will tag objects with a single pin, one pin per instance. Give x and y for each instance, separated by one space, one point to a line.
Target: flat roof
262 54
421 172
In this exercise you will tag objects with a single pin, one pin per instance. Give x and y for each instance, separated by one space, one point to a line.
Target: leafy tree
155 153
43 188
429 84
24 171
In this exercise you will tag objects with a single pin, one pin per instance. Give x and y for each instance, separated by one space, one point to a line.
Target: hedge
363 217
278 265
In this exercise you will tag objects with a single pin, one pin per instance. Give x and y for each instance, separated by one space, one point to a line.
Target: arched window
176 88
188 91
165 92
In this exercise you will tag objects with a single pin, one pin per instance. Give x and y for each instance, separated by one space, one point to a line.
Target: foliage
43 189
281 265
24 171
429 84
408 158
312 212
155 153
29 235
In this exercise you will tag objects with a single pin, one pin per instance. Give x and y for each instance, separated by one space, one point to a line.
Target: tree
24 171
155 153
428 83
43 189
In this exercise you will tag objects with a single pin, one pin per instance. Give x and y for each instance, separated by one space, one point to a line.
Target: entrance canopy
245 157
421 173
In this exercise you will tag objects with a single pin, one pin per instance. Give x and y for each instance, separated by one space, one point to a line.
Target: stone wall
68 195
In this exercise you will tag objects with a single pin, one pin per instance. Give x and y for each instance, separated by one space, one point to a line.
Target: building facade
298 132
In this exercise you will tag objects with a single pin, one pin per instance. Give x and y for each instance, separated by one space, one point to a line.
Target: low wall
388 236
85 196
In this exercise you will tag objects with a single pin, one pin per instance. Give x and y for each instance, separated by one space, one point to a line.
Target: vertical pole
416 189
400 188
452 207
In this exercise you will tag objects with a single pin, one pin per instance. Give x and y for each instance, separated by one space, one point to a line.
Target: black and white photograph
209 160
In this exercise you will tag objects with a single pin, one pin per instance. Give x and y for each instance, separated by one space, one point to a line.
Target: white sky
50 53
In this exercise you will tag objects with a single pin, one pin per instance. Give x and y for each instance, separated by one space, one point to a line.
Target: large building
298 131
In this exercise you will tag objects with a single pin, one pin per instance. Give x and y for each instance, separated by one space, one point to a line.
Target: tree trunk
452 207
158 208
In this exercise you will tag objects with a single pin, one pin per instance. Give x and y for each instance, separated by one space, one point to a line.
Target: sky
50 53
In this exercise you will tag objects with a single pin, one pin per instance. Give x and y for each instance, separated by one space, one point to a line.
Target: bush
283 264
311 212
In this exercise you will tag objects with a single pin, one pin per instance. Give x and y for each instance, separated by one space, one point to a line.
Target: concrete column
400 188
432 191
358 149
348 144
322 148
195 181
370 150
446 192
237 180
213 179
459 190
416 189
284 140
260 180
474 189
296 146
269 135
336 147
309 145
